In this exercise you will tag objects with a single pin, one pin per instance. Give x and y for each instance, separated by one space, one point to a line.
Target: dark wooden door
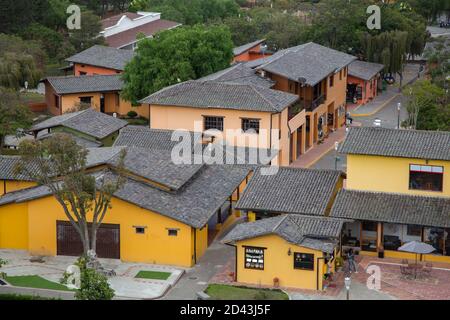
69 242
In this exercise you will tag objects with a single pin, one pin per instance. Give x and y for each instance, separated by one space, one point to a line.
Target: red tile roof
129 36
112 21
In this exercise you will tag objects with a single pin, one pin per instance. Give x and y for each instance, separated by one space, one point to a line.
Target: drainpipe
317 272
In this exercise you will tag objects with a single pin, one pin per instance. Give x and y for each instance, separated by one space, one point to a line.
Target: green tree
88 34
59 163
14 115
428 106
176 55
93 285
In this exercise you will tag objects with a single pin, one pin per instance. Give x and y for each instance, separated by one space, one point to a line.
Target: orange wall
92 70
367 92
249 55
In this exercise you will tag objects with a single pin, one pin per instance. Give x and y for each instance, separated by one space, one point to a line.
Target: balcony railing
311 105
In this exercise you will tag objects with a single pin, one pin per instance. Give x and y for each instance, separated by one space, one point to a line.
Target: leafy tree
14 115
88 34
428 106
94 285
176 55
60 164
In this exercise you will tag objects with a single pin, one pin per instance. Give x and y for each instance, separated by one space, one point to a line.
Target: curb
377 109
324 153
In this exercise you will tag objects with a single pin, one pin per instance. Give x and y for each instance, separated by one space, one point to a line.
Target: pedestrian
349 118
351 261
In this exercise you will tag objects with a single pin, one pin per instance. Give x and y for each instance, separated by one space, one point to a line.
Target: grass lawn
32 97
22 297
35 282
224 292
153 275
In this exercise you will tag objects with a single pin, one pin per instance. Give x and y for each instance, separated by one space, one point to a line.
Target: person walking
351 261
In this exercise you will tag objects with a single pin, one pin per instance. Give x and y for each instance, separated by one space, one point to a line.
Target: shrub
94 286
132 114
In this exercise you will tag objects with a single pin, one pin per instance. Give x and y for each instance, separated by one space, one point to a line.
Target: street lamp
336 158
348 282
399 106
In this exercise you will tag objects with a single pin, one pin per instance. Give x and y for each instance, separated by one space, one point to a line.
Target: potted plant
276 282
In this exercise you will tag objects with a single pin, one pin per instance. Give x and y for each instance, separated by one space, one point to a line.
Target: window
424 177
254 258
172 232
56 101
213 123
293 87
303 261
369 226
140 230
82 73
250 124
412 230
340 74
332 80
85 100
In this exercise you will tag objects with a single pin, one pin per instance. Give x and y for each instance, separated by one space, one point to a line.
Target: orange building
363 80
99 60
250 51
101 92
318 76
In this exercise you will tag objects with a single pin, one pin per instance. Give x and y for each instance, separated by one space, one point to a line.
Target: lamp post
399 106
336 158
347 282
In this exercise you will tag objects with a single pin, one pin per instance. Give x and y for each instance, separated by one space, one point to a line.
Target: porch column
251 216
312 130
380 246
303 137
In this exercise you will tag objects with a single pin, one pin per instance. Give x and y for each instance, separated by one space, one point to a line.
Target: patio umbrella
417 247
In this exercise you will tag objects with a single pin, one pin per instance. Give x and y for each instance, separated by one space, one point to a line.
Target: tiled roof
7 168
364 70
144 137
194 204
127 37
318 233
159 139
210 94
89 121
245 47
85 84
157 166
392 208
290 190
239 73
101 56
310 61
418 144
86 143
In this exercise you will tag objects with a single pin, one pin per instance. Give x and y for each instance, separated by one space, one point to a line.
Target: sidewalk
409 76
318 151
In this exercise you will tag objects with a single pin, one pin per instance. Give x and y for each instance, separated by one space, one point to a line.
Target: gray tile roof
318 233
241 74
86 143
157 166
85 84
418 144
245 47
194 204
144 137
102 56
89 121
211 94
310 61
7 168
364 70
392 208
291 190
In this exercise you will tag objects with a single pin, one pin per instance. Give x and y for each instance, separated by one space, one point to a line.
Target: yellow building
101 92
398 188
156 217
290 251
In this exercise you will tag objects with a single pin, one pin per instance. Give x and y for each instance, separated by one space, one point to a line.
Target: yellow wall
14 226
389 174
155 246
13 185
277 263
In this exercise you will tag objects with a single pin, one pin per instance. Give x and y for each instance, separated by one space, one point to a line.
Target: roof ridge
437 197
254 88
279 223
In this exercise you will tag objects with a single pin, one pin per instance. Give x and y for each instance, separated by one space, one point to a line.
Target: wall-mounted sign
254 258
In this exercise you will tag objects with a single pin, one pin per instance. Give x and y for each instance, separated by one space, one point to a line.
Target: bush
132 114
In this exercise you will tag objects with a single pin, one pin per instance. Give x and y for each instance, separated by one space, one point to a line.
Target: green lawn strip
156 275
35 282
22 297
32 97
225 292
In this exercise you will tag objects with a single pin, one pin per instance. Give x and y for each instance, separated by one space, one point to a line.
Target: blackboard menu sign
254 258
303 261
